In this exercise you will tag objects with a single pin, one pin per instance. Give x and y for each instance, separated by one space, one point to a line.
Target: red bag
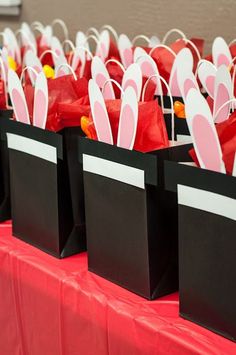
60 90
3 104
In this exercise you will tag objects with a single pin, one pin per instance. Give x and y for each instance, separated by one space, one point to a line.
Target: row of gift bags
137 205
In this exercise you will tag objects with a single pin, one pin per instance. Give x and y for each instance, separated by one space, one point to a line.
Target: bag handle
134 40
68 42
80 47
36 24
112 30
162 103
92 30
22 76
114 82
62 24
173 30
23 33
163 46
116 62
69 67
46 52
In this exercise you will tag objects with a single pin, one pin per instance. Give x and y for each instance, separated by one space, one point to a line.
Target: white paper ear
203 132
29 36
103 46
80 41
220 52
149 68
138 52
5 59
154 41
56 47
183 59
40 101
223 92
13 44
128 119
186 80
79 57
46 36
100 75
207 74
133 78
17 97
99 113
31 60
125 50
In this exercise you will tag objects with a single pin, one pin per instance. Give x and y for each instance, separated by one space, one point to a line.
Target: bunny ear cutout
31 60
79 57
99 113
100 75
5 59
133 77
29 36
154 41
183 59
149 68
17 97
202 129
128 119
139 52
186 81
103 46
223 93
81 41
56 47
46 37
12 42
125 49
207 74
40 101
220 52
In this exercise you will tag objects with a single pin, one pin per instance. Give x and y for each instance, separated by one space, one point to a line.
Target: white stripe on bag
112 170
32 147
207 201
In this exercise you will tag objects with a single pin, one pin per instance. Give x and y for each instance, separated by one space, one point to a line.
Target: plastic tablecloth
57 307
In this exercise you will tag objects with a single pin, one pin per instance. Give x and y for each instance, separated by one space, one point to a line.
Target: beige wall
206 18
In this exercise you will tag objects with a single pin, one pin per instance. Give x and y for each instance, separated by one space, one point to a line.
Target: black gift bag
181 131
5 204
44 202
131 221
207 246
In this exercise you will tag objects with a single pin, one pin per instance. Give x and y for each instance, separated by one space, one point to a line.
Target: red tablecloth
56 307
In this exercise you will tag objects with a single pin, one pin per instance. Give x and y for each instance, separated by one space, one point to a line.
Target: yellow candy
48 71
12 63
85 123
179 109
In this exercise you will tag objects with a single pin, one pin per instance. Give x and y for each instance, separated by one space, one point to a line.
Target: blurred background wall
203 18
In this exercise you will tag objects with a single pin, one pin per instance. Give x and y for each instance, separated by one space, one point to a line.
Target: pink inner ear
21 111
210 84
128 57
39 109
147 69
206 142
37 68
175 90
131 83
108 92
61 72
103 50
221 97
188 84
102 124
222 59
126 128
58 52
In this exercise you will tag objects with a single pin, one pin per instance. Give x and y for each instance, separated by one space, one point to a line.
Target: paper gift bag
130 239
41 188
207 227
